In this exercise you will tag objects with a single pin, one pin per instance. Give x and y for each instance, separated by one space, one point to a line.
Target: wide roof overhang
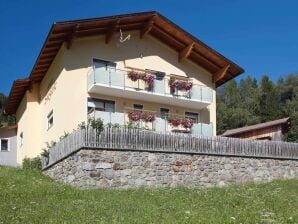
152 23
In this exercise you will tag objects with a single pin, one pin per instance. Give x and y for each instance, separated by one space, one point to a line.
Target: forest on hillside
4 119
244 103
250 102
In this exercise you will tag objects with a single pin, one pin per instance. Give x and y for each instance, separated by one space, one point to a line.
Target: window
50 120
159 75
4 145
193 116
21 139
104 65
138 106
100 105
164 112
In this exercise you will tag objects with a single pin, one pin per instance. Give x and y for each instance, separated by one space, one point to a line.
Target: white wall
9 158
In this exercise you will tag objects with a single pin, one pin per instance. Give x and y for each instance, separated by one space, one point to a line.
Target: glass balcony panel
207 130
206 94
159 87
105 116
131 84
196 93
117 79
117 118
160 124
102 76
196 129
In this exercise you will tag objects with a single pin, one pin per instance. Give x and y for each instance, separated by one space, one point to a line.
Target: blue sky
259 35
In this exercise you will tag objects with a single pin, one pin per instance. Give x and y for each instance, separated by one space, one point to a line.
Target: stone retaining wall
124 169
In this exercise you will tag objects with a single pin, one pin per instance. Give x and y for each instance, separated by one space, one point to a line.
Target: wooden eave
19 88
148 23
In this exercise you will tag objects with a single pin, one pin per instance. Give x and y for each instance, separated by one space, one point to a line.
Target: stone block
179 163
116 166
103 165
95 174
87 166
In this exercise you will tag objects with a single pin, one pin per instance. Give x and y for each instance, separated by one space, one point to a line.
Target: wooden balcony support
147 28
220 73
184 54
112 30
71 36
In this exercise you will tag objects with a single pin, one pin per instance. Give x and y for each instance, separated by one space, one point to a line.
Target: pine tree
250 96
269 101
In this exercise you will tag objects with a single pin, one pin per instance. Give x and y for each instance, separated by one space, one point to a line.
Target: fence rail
144 140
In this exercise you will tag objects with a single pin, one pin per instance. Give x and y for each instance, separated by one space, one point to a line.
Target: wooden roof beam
147 28
72 36
111 31
184 54
220 73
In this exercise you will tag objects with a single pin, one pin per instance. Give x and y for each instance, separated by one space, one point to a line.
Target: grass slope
28 197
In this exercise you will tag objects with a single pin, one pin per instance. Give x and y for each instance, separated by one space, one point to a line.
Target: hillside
29 197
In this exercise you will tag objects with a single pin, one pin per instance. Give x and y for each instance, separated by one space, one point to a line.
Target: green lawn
28 197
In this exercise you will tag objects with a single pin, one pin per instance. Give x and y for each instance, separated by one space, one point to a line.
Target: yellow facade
64 88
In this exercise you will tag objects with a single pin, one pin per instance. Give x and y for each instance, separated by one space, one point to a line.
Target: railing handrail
158 115
167 76
143 140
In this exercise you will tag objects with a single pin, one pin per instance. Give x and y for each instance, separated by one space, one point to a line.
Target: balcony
159 124
119 83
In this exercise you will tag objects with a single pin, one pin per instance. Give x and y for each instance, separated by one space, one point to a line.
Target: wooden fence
144 140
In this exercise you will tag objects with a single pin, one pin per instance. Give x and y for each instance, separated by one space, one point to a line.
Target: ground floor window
164 112
21 138
100 105
4 145
193 116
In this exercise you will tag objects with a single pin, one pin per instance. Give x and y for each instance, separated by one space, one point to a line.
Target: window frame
135 105
91 99
162 111
8 149
21 139
189 114
109 64
50 117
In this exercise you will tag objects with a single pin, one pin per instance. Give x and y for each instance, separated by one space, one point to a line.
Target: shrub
45 153
64 135
32 163
96 124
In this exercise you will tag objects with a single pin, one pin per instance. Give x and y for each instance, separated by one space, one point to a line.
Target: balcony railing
160 124
120 79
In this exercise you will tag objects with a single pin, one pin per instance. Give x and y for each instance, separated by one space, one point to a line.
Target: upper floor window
159 75
50 118
4 145
100 105
193 116
138 106
103 65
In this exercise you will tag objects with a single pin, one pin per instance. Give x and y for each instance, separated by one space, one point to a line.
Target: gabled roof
284 121
153 23
18 90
